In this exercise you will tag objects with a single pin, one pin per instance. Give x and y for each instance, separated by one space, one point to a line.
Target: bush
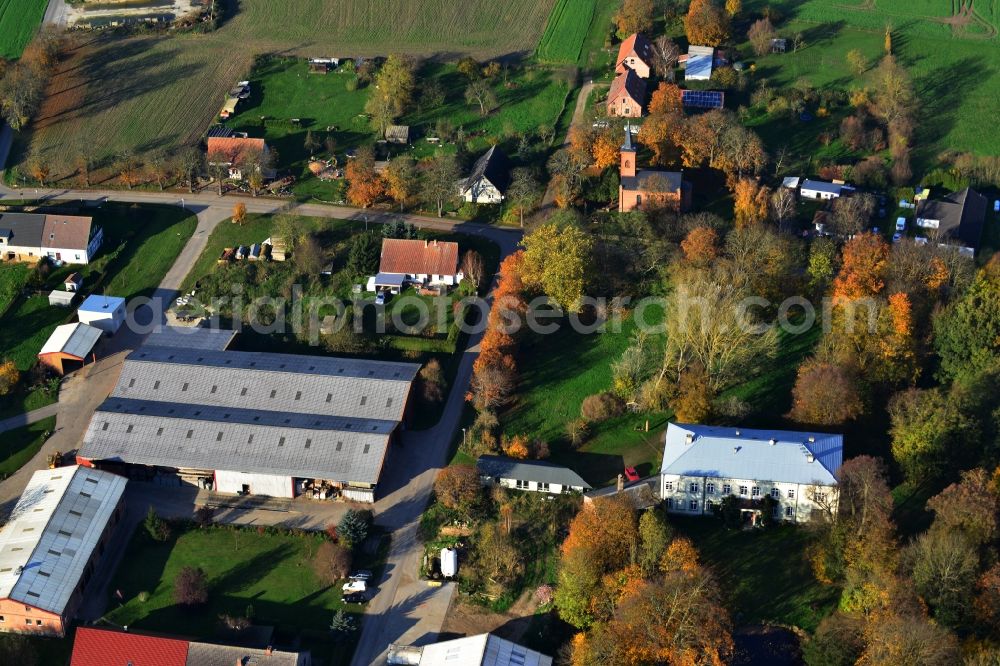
353 527
576 431
191 587
332 562
342 625
157 528
601 406
457 487
351 85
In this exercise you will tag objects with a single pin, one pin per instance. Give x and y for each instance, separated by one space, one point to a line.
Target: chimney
810 457
811 439
269 651
688 438
426 242
621 483
772 441
737 433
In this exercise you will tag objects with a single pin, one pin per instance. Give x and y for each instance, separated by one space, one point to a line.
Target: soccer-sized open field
18 21
566 30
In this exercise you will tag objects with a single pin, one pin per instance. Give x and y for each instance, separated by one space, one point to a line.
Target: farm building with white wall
251 423
534 475
104 312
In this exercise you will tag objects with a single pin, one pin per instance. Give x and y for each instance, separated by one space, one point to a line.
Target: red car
631 474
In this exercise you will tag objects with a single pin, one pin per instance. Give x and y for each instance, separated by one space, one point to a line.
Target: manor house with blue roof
704 464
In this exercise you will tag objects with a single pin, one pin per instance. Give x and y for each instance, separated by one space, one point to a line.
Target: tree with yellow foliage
750 203
239 213
666 98
9 376
555 261
706 24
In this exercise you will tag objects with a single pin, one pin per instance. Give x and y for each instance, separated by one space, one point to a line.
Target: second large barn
251 423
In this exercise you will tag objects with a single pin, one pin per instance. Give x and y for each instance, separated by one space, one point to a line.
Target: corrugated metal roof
190 337
76 340
529 470
179 440
699 62
280 414
52 532
206 654
743 453
100 303
822 186
481 650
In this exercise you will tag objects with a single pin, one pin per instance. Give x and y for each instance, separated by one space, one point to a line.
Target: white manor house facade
704 464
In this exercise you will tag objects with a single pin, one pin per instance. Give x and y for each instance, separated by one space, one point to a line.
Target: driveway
579 118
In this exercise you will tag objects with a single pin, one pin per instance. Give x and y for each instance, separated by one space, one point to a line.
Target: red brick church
649 188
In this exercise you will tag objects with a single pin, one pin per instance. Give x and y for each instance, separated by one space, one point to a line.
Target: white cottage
704 464
534 475
420 262
489 178
29 237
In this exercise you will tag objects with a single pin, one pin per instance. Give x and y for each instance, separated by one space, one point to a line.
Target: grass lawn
271 571
19 19
956 71
764 574
19 446
13 278
558 371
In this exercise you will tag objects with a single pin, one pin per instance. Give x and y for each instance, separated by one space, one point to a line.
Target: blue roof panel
99 303
741 453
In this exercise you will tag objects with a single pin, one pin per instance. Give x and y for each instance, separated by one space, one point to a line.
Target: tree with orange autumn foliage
605 150
678 621
863 269
516 446
364 185
601 540
681 555
750 203
706 23
701 246
659 134
665 99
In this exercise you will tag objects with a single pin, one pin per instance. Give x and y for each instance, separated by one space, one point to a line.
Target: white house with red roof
420 262
238 152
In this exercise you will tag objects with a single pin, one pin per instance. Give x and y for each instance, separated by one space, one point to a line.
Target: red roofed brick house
109 647
635 53
649 188
239 153
627 95
421 262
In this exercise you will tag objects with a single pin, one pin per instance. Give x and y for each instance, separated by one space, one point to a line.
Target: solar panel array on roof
703 99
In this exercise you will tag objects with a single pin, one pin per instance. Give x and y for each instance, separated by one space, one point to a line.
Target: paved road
404 609
29 418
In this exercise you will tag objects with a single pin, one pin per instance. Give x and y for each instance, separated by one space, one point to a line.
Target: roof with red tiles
104 647
419 257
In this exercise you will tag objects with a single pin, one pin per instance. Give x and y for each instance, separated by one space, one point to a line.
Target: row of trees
22 83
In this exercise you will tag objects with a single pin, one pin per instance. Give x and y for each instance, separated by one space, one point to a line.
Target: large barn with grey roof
250 422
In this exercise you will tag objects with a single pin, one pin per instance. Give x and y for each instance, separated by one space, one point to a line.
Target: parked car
361 574
353 586
355 598
996 206
380 298
631 474
920 240
900 224
896 237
